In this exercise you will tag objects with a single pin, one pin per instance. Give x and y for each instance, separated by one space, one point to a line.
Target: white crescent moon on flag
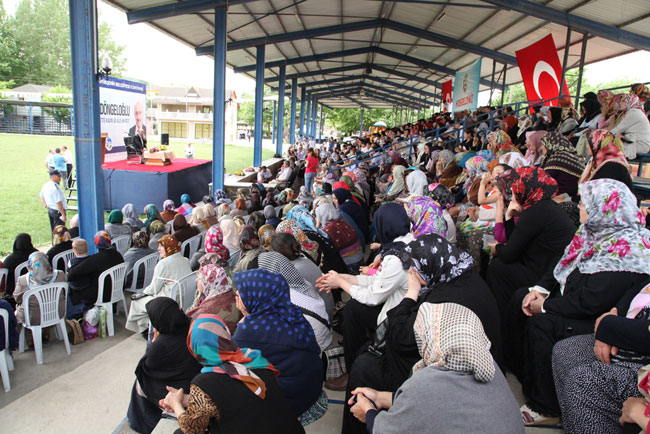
447 97
541 67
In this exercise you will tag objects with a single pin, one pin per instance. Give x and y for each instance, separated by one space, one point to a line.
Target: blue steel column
259 103
303 97
219 109
273 124
320 129
292 121
308 116
361 125
85 97
283 79
313 118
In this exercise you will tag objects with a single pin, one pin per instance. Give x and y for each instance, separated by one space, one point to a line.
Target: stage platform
141 184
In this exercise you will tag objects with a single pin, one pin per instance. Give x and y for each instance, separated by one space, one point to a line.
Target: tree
8 48
59 94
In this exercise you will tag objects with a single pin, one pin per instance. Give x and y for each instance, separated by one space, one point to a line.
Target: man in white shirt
53 199
49 160
285 172
189 151
67 154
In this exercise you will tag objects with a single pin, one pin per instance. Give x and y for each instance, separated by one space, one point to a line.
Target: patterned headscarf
156 227
170 244
168 205
486 154
561 155
39 270
271 314
513 159
215 281
502 141
102 240
629 102
214 243
613 238
442 195
606 148
426 217
61 235
265 234
210 343
305 220
152 215
248 238
529 185
452 336
140 239
256 220
291 226
220 197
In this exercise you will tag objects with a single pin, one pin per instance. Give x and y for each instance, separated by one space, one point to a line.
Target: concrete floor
89 390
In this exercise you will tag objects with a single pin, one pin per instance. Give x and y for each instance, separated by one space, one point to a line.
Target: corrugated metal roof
485 24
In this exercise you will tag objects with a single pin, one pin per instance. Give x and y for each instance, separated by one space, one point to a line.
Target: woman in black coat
22 249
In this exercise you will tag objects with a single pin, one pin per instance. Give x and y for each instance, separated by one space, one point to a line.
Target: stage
141 184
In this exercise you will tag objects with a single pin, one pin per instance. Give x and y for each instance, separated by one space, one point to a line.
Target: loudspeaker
164 139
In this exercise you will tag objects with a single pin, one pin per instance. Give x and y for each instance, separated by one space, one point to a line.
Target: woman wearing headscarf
231 240
633 125
457 370
445 198
269 214
249 243
256 201
198 220
534 153
500 143
156 231
39 273
223 212
416 183
309 246
538 238
236 391
215 296
172 267
342 236
266 234
131 217
220 197
356 193
83 277
608 255
302 294
115 227
447 171
181 229
166 363
61 241
426 217
607 159
562 162
288 343
439 273
74 225
186 205
168 213
591 113
257 220
210 215
269 200
351 211
213 243
397 186
138 250
240 208
152 215
362 182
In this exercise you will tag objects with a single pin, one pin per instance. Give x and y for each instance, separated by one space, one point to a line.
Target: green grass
23 173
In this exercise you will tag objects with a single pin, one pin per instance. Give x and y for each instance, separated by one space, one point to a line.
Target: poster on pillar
466 84
123 114
447 92
541 70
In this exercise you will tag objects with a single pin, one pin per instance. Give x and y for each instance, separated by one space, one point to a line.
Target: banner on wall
122 108
541 70
466 84
447 92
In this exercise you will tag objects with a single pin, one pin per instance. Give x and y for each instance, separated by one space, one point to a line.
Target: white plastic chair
192 244
48 297
122 243
149 263
6 362
184 290
4 275
117 274
63 256
19 270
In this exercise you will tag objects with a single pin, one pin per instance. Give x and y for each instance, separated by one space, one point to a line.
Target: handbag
378 344
335 362
74 330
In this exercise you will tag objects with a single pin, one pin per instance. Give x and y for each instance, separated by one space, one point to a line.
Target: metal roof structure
395 52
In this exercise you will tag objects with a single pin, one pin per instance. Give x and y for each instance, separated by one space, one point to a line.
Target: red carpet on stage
177 164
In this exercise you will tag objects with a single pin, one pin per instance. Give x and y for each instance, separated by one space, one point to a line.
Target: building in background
186 113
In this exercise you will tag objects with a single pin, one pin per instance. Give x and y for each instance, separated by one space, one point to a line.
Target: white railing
163 116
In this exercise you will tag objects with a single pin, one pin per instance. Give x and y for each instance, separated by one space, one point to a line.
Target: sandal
531 417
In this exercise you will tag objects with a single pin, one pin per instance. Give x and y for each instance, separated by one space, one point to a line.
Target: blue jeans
309 181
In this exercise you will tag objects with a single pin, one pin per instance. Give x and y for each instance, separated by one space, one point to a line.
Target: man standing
49 160
53 199
60 165
67 154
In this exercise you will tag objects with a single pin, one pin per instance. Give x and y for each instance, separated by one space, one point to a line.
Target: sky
165 61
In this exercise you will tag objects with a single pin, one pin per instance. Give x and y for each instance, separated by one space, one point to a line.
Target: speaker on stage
164 139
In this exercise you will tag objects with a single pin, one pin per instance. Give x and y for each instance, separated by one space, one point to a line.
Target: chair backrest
122 243
184 290
191 246
48 297
149 263
20 270
4 274
5 319
117 274
63 256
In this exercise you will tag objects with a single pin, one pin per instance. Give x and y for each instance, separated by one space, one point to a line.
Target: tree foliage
35 44
59 94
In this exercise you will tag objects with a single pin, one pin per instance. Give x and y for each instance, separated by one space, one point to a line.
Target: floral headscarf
486 154
452 336
265 234
214 243
248 238
513 159
613 238
102 240
502 141
215 281
529 185
39 270
426 217
61 235
305 220
606 148
221 197
140 239
168 205
291 227
442 195
629 102
170 244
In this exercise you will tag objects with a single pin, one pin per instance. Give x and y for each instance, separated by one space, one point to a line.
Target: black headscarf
23 244
592 109
391 221
22 249
167 361
327 188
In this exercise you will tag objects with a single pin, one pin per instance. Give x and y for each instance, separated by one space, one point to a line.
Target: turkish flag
447 91
541 70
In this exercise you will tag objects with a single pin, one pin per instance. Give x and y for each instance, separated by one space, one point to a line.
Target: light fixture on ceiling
362 92
441 16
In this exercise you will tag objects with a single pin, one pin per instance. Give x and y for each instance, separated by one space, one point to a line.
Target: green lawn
23 173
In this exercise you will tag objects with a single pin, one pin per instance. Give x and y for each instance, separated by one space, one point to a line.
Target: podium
159 158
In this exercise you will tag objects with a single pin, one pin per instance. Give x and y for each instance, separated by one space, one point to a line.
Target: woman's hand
375 246
603 351
361 407
485 180
329 281
415 284
175 401
514 209
156 333
634 412
532 303
382 400
493 248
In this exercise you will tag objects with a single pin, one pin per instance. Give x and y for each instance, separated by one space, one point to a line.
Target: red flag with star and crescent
541 70
447 94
